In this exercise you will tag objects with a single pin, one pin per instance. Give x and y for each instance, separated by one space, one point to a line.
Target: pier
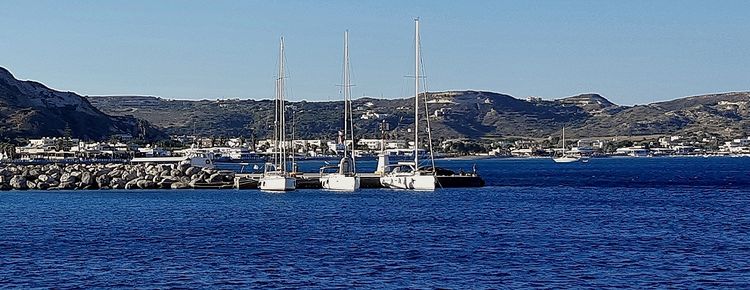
367 180
54 176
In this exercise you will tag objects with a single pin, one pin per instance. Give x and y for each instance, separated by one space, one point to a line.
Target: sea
609 223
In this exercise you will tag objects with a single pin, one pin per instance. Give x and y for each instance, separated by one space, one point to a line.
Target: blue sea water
613 222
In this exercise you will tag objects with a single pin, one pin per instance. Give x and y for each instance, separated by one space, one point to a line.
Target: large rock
33 173
129 175
100 172
176 172
146 184
216 177
117 183
66 185
115 173
87 178
195 181
19 182
103 181
190 171
42 185
133 184
68 178
43 178
179 185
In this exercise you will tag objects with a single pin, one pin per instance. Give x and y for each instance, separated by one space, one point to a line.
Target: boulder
100 172
19 182
115 173
68 178
42 185
146 184
216 177
164 184
53 183
117 183
43 178
33 173
179 185
194 181
66 185
129 175
192 171
133 184
175 172
87 178
103 181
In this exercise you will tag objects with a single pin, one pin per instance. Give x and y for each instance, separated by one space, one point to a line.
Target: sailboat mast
348 115
346 90
282 119
416 93
275 144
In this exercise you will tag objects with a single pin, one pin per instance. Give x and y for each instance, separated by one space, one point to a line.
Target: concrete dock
367 180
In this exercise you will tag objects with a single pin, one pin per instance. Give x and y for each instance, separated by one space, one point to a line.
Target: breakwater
164 176
110 176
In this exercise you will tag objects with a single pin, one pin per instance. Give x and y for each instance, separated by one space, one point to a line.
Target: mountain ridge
454 114
31 109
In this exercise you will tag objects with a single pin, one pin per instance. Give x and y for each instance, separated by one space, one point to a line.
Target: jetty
183 175
367 180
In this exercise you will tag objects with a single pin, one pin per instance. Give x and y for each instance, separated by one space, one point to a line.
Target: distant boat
345 178
565 157
275 176
406 175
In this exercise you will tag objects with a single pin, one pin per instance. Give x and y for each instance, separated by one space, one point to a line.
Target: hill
453 114
30 109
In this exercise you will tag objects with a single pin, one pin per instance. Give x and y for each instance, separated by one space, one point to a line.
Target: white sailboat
346 177
406 175
275 176
565 158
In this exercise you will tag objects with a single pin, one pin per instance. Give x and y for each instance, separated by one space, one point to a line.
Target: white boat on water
346 177
565 158
274 179
196 160
275 176
406 175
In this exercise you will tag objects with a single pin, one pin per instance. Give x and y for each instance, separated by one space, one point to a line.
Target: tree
67 132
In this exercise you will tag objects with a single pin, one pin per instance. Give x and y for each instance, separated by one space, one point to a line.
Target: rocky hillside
30 109
453 114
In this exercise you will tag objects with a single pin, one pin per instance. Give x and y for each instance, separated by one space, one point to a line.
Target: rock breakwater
110 176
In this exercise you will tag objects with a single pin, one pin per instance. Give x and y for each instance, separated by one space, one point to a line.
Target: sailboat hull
339 182
410 182
277 183
566 159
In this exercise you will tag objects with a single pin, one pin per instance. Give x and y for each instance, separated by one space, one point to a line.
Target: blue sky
632 52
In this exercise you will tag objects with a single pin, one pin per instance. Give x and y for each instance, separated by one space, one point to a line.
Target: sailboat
565 158
275 176
406 175
346 178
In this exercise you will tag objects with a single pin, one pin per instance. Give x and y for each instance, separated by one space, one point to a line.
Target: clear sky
632 52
